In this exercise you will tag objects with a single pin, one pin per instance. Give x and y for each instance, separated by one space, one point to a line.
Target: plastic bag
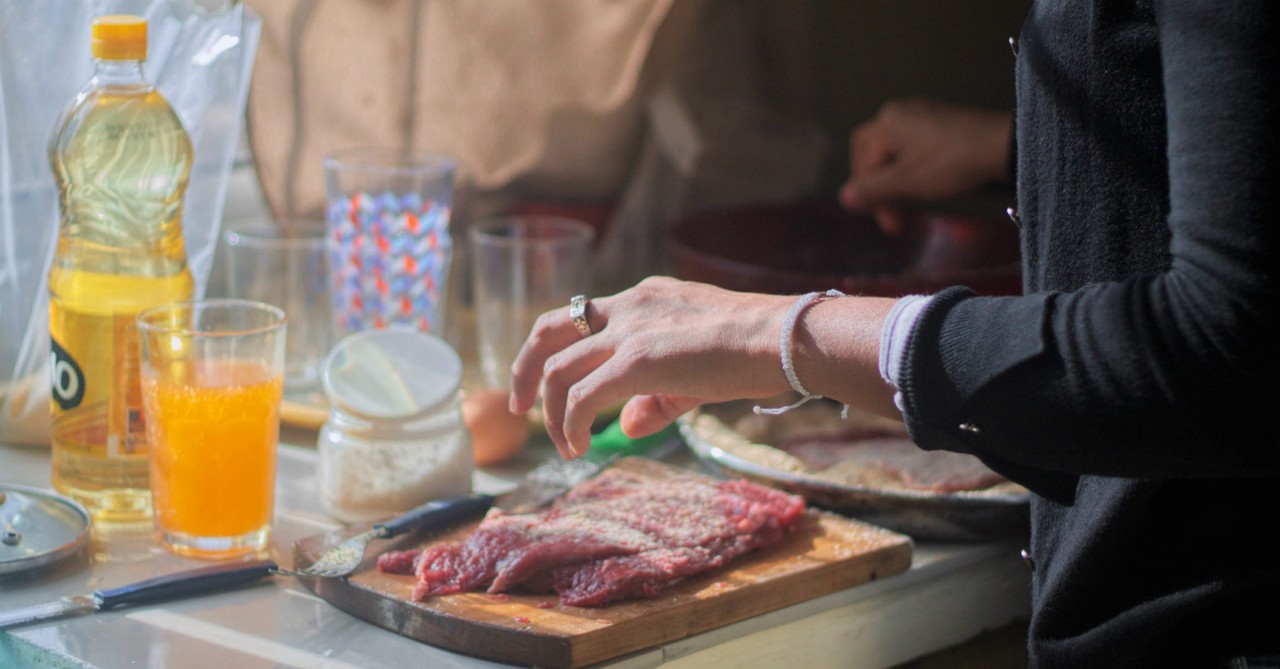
200 55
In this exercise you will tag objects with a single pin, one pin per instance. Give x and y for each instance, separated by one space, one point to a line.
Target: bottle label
66 376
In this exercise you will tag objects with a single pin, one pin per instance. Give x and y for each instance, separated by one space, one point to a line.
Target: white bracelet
788 367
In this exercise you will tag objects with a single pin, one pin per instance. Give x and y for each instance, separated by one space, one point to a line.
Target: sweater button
970 428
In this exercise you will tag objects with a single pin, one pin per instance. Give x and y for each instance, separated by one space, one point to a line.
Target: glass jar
394 438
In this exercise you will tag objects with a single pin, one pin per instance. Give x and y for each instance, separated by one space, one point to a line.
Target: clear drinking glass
286 264
522 266
389 243
212 377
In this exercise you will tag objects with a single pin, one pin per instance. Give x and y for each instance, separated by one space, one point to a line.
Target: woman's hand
921 149
666 344
671 345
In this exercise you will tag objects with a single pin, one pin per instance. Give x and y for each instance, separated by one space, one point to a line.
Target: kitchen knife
172 586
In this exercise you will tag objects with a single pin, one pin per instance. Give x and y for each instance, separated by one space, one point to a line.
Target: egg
496 433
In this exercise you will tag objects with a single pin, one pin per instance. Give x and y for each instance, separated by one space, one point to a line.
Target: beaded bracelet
788 367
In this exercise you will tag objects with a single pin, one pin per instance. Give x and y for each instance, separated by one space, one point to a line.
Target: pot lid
38 528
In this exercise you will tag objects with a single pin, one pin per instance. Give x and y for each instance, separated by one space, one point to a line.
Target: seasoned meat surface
615 536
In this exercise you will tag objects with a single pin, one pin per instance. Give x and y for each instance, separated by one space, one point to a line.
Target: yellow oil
121 159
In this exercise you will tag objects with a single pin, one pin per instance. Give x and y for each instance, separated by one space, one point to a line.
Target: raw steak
885 460
615 536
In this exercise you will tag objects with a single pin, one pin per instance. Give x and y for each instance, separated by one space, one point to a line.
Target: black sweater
1132 388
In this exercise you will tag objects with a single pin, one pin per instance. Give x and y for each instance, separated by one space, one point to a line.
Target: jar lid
391 374
38 528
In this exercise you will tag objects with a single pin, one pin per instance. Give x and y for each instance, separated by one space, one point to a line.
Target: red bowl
797 249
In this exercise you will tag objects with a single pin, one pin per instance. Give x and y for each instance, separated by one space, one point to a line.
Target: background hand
922 149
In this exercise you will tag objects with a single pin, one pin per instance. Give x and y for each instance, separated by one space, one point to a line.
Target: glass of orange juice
212 377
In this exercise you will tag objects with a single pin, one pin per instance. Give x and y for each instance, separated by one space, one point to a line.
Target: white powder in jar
365 481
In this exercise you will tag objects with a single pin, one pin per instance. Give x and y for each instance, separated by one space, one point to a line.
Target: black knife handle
436 513
183 583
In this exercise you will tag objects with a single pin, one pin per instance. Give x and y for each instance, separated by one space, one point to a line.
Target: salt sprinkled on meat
615 536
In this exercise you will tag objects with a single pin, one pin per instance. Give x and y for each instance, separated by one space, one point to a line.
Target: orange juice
213 428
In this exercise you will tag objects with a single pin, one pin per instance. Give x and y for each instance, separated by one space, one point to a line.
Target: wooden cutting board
822 554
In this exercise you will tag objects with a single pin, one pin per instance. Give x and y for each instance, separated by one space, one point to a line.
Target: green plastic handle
611 440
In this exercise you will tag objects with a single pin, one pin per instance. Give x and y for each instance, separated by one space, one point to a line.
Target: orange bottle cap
120 37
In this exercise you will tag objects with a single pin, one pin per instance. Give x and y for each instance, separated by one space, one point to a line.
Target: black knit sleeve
1168 373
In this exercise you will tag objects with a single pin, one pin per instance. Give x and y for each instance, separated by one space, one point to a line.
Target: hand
920 149
666 344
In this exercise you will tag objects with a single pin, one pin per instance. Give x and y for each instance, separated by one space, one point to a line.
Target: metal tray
960 516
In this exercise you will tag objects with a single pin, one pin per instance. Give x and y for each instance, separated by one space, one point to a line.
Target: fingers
666 335
581 381
870 149
644 415
872 146
885 182
848 196
889 218
551 333
611 381
560 374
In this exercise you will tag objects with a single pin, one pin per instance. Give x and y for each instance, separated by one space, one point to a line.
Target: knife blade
170 586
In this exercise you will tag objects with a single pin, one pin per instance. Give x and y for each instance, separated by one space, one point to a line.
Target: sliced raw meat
615 536
398 562
882 460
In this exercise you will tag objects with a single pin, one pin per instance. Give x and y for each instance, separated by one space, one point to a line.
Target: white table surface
950 594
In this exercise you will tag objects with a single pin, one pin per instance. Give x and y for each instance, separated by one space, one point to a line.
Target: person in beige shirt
630 112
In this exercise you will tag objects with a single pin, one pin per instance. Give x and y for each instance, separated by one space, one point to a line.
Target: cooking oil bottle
121 159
